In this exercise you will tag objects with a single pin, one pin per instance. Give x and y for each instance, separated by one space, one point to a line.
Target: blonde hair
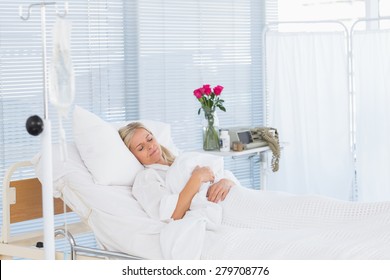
127 133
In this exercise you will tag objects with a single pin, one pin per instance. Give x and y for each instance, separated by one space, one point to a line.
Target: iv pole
35 126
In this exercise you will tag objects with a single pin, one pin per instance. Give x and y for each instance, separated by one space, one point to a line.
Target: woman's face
145 147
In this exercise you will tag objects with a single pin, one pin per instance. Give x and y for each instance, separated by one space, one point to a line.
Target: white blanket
283 226
255 224
274 225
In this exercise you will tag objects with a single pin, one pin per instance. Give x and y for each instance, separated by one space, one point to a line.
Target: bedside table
261 151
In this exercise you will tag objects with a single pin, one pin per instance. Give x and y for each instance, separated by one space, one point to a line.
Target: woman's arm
199 176
218 191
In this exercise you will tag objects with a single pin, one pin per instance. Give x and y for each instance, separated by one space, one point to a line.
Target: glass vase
210 132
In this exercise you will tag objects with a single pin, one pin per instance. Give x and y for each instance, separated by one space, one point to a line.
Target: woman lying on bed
197 198
168 187
150 188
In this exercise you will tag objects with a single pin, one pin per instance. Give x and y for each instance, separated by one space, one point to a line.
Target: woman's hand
218 191
204 174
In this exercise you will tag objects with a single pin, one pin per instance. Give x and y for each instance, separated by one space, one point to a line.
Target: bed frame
22 201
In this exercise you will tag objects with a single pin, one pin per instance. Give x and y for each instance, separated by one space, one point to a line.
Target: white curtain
307 81
371 61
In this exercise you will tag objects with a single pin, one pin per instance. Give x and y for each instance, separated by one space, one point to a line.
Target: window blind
186 44
136 59
103 75
105 78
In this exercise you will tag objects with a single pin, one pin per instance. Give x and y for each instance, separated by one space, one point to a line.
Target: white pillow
103 151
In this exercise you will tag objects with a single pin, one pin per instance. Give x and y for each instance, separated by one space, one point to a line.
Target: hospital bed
285 226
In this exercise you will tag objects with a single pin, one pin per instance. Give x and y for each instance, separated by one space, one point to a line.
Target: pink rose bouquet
209 98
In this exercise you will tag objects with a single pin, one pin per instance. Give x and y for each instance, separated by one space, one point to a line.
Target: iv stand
35 125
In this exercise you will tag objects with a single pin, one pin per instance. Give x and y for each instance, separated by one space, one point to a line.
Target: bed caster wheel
34 125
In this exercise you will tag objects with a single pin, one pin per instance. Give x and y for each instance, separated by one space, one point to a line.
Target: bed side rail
76 249
9 197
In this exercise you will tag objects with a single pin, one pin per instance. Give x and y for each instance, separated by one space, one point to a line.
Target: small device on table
246 137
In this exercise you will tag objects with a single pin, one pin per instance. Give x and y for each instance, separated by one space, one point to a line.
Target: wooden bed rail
28 194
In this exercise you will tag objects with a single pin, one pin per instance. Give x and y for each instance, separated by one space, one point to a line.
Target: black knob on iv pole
34 125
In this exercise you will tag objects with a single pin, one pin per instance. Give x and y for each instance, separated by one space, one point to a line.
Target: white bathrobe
157 187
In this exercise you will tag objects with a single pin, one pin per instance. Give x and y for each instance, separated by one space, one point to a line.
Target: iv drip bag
61 77
61 70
